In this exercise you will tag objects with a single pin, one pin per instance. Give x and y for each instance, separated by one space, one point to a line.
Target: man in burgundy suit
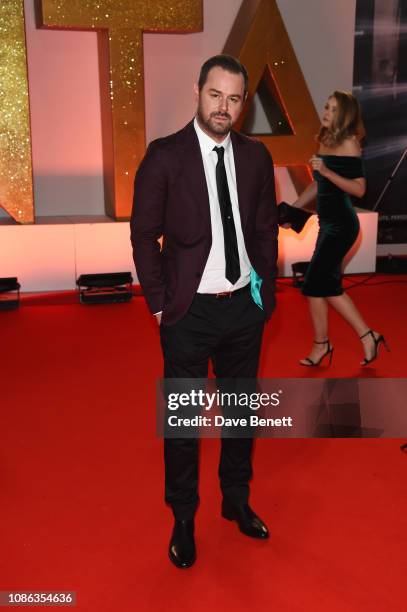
209 191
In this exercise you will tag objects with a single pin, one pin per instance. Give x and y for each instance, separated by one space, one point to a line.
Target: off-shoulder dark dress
338 228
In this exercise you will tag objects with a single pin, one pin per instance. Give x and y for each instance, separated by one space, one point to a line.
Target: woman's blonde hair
347 121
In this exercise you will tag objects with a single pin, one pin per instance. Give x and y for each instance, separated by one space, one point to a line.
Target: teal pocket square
255 284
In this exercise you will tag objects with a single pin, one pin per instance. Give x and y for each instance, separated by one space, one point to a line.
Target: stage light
105 288
299 269
9 293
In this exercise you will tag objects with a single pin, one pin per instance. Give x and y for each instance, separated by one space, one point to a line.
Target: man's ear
196 90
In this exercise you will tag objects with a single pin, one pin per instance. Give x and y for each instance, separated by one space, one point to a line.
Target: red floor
81 472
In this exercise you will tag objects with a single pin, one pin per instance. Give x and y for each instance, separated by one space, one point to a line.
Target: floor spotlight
9 293
105 288
299 269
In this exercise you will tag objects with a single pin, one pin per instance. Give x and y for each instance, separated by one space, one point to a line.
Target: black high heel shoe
377 342
329 351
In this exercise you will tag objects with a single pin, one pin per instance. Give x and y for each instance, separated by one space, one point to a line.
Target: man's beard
217 129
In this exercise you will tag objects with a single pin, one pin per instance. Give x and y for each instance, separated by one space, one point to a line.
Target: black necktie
232 272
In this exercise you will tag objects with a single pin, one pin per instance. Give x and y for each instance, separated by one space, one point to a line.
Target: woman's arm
355 187
307 196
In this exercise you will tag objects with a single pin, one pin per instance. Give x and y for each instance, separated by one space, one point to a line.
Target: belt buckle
224 294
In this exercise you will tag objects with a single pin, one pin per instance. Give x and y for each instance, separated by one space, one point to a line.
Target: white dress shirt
213 277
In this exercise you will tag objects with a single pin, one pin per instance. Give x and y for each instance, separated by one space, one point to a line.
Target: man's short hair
227 62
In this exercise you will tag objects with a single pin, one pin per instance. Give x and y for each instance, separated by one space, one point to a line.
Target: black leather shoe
248 522
182 550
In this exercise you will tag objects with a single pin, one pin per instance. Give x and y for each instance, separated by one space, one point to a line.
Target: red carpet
81 472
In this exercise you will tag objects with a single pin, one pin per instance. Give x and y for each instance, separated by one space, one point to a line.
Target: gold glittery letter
123 23
16 187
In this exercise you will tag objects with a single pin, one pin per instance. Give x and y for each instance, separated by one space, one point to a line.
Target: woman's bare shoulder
350 146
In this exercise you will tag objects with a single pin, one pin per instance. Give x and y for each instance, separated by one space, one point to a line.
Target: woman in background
338 174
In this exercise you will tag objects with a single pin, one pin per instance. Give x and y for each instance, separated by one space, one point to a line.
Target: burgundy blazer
171 200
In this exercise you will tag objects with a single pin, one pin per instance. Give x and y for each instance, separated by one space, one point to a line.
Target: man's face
220 102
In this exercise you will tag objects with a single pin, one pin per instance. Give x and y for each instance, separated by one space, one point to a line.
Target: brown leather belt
227 294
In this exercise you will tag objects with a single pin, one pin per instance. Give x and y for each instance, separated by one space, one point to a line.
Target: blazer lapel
194 170
241 159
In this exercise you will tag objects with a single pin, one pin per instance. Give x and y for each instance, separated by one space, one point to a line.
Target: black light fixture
105 288
9 293
299 269
391 264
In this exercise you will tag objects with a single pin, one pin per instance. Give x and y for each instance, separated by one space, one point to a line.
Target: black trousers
229 332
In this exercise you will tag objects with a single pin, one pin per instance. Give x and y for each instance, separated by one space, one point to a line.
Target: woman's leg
347 309
318 308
